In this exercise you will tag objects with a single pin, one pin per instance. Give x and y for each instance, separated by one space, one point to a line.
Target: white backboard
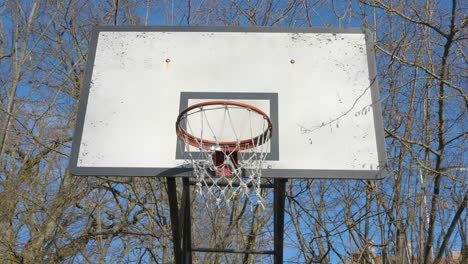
317 85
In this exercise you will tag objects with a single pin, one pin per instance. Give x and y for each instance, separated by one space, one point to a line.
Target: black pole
278 207
187 227
174 214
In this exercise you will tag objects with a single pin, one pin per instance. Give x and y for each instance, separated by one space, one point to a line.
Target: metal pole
174 214
278 207
187 235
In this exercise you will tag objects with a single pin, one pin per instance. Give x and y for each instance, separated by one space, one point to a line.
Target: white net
226 143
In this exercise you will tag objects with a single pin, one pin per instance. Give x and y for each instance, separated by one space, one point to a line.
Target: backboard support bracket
181 223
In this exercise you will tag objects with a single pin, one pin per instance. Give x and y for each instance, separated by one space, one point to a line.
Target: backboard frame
267 173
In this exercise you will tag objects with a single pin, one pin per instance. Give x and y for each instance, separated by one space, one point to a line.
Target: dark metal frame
182 224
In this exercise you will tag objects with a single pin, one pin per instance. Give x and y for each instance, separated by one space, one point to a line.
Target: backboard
317 85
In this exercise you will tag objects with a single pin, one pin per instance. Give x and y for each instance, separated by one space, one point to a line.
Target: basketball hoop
224 141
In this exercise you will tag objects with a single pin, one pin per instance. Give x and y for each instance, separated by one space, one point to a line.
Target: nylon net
226 145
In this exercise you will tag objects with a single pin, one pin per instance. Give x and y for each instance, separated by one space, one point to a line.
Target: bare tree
417 214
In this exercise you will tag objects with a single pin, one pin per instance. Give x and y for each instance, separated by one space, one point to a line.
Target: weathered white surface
325 117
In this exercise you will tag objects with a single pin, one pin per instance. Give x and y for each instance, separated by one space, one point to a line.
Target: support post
187 223
182 223
174 214
278 209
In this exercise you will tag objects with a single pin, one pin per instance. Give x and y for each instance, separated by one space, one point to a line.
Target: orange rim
226 146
